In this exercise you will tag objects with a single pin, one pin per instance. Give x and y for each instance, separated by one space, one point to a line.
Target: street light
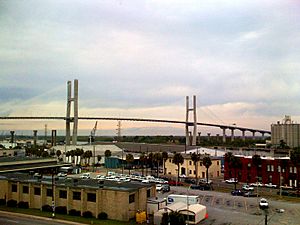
53 202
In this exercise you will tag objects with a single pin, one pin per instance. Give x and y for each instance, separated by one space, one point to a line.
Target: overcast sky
141 58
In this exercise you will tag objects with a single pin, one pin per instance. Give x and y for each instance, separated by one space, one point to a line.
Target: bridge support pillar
12 136
253 134
232 135
194 124
34 138
68 117
53 138
243 135
224 135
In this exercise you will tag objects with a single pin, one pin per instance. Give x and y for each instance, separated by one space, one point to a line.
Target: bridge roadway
222 126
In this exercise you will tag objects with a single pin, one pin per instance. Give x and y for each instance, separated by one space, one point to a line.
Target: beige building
188 167
286 131
120 201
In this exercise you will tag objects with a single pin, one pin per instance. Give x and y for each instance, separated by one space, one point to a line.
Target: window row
91 197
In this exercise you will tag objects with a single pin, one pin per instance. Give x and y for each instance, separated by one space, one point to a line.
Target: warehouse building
120 201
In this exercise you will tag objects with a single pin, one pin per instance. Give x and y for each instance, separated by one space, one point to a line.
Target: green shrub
102 216
12 203
87 214
47 208
74 212
61 209
2 201
23 205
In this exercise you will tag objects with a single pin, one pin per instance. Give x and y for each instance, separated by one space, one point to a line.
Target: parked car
61 174
246 187
205 181
263 203
189 181
232 181
250 194
201 187
270 185
173 183
257 184
85 176
237 192
165 188
159 187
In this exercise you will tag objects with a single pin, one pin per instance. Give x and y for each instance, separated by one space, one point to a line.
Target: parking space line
212 201
246 205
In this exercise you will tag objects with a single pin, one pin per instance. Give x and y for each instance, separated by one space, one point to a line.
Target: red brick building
268 172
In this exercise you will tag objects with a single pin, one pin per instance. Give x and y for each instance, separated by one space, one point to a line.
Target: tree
107 154
295 158
196 158
143 160
177 160
228 159
45 154
207 163
99 158
256 161
236 164
165 157
129 160
157 158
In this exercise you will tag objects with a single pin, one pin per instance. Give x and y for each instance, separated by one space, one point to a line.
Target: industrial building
287 132
270 171
188 167
121 201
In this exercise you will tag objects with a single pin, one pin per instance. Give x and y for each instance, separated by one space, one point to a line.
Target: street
7 218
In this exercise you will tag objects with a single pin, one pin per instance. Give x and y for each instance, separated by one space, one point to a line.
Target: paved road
7 218
226 209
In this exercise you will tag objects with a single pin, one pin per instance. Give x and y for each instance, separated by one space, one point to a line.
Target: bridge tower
73 119
189 142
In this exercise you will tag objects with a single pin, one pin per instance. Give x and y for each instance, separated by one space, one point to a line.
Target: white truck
187 199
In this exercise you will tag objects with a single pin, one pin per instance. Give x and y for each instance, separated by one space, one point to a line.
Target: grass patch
78 219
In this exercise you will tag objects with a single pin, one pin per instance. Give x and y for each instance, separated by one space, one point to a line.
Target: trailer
187 199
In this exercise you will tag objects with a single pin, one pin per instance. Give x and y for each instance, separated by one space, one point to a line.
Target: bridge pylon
193 140
73 119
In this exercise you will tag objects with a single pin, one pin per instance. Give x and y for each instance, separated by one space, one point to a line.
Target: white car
85 176
205 181
270 185
247 188
146 181
100 177
61 174
257 184
263 203
231 180
159 187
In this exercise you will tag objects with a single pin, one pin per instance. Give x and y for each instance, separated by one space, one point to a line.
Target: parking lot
226 209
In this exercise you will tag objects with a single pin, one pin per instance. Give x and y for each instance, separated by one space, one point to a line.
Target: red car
173 183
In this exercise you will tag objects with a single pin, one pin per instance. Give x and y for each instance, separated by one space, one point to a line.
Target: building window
190 171
131 198
270 179
200 163
49 192
37 191
268 167
272 168
62 194
170 160
218 163
148 193
279 169
291 169
295 169
194 172
203 174
249 164
76 195
25 190
91 197
190 162
218 173
14 188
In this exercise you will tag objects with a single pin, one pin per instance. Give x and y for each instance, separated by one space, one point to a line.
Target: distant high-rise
287 131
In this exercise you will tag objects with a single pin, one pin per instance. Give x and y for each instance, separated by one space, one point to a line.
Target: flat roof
75 182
